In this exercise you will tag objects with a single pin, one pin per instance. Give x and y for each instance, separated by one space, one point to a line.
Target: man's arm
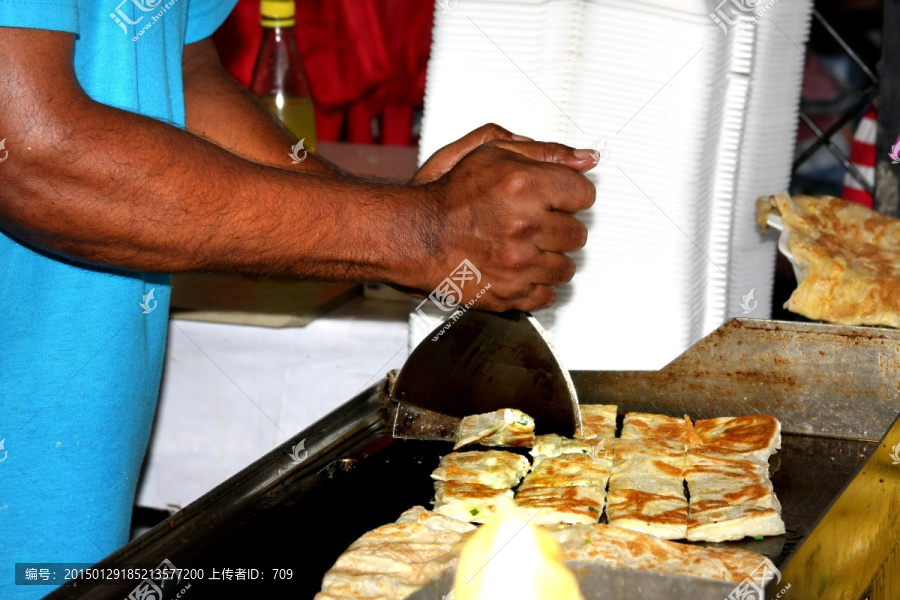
220 110
110 187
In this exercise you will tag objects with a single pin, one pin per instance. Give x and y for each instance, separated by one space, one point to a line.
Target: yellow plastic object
509 558
278 13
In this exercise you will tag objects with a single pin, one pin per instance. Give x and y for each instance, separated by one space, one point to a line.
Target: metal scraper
481 362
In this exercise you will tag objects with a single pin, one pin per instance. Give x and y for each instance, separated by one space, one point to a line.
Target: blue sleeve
57 15
205 16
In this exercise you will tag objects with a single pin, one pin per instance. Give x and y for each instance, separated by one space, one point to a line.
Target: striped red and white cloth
862 156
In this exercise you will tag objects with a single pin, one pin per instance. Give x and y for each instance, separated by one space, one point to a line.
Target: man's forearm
221 111
122 189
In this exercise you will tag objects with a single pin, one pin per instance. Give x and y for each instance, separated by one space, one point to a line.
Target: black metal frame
876 90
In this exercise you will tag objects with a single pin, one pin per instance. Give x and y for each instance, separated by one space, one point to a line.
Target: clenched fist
507 205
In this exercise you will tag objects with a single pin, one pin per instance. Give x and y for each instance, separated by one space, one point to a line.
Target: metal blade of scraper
480 362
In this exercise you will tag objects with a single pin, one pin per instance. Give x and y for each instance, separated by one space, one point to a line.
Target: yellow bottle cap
278 13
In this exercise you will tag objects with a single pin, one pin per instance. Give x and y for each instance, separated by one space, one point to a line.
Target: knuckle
519 227
588 192
567 270
492 130
578 235
514 259
514 181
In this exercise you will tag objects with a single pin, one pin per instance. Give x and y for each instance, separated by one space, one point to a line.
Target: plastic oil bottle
279 78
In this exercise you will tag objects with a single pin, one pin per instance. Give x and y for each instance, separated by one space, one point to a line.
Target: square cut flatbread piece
658 428
394 560
496 468
753 437
651 476
552 445
665 517
738 482
720 521
469 502
597 421
574 504
504 427
617 547
671 453
568 470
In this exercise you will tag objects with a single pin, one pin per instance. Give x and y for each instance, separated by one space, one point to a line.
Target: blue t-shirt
81 348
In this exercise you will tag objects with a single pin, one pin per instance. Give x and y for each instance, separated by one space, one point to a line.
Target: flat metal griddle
839 492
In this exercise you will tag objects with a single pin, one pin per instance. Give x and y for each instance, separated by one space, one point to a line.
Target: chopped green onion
592 509
473 512
757 537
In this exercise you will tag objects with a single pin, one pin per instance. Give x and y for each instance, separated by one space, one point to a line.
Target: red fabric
361 57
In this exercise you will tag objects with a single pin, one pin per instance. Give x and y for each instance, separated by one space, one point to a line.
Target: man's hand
446 158
508 207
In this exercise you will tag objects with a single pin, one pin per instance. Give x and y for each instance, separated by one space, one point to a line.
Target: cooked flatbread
719 521
617 547
665 517
848 257
653 476
659 428
574 504
671 453
598 421
568 470
504 427
754 437
738 482
552 445
469 502
394 560
496 468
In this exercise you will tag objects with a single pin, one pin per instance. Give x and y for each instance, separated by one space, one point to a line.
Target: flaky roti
755 437
394 560
504 427
552 445
848 257
568 470
573 504
598 421
653 476
672 453
665 517
469 502
738 482
617 547
720 521
659 428
496 468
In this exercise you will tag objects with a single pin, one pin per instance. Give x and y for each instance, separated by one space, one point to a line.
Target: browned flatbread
619 547
469 502
720 521
848 257
393 561
496 468
573 504
665 517
658 428
738 482
504 427
598 421
750 437
568 470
